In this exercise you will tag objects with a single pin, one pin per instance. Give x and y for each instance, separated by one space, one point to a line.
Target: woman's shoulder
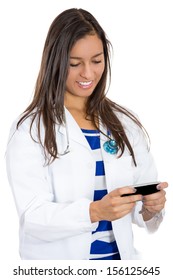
133 127
121 111
20 123
128 117
23 127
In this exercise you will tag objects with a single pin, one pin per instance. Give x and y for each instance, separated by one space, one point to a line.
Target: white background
141 33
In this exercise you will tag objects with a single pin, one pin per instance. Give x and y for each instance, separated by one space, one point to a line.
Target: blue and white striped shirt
103 245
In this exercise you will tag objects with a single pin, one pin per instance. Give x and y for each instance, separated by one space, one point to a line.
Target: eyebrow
77 57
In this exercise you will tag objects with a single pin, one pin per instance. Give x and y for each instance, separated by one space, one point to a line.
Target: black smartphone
145 189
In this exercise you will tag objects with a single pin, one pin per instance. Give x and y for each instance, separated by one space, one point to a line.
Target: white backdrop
142 79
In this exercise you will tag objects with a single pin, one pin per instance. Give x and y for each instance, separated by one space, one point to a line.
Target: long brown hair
48 101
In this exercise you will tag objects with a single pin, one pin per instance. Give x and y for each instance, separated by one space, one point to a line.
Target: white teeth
85 83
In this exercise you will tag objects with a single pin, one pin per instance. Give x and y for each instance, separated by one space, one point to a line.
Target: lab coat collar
75 132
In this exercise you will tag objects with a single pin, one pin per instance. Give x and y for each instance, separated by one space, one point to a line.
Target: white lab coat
53 201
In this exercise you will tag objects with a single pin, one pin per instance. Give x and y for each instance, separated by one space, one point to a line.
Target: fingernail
159 187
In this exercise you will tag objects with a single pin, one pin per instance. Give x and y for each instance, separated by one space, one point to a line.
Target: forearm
52 221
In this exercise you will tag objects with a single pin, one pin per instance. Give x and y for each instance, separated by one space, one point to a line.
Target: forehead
88 46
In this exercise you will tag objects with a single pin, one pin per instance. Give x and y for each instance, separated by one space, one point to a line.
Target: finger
122 210
162 185
123 191
131 198
154 196
155 202
155 209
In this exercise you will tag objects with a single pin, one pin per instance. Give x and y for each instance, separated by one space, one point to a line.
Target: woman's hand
154 203
113 206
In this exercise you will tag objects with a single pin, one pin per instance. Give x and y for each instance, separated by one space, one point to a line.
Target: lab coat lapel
74 131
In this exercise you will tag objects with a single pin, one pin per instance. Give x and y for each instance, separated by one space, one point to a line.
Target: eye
74 64
97 61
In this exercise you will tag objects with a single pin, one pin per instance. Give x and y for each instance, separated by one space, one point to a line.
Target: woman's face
86 67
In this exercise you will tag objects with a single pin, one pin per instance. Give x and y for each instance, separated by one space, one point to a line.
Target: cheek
70 78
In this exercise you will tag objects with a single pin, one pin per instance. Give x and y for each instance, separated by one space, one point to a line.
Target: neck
75 103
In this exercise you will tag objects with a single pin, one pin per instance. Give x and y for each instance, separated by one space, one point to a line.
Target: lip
85 85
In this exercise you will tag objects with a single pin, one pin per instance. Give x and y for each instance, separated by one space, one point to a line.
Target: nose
86 71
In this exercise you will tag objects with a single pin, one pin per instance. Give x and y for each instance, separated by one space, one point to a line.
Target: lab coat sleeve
145 172
40 216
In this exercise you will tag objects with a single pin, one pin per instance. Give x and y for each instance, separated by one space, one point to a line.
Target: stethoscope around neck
110 146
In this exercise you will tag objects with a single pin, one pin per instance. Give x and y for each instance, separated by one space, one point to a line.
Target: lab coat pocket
119 172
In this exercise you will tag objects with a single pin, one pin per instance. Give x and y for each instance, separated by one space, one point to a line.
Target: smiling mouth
85 84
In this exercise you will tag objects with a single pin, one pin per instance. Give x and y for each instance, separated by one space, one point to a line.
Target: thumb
162 185
123 191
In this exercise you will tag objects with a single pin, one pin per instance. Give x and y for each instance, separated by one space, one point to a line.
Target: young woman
73 154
